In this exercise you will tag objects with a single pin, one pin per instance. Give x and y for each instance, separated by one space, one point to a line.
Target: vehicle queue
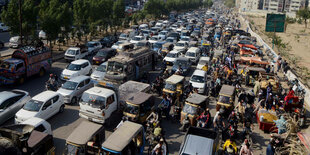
230 68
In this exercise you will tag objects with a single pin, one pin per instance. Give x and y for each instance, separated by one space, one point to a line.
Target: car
108 41
15 42
76 68
11 102
115 45
143 26
174 35
93 46
163 35
143 44
193 54
171 40
43 105
1 44
104 55
187 39
157 47
136 39
146 33
72 89
123 36
183 63
198 80
4 28
181 45
75 53
99 72
195 34
155 30
171 57
203 61
154 39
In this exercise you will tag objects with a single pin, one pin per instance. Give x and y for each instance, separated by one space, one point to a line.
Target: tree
81 10
304 14
156 8
10 16
118 13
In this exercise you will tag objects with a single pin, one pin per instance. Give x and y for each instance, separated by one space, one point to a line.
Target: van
39 124
193 54
75 53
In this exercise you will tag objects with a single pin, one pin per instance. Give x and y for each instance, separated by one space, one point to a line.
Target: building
248 5
288 6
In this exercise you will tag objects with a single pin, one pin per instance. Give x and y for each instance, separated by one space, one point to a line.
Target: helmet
51 75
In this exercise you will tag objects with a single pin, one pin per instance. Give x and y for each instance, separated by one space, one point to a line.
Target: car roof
79 78
79 62
73 48
192 49
182 42
6 95
174 51
92 42
205 58
199 72
44 96
100 91
182 58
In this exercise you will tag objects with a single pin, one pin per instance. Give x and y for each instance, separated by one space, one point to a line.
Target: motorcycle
52 87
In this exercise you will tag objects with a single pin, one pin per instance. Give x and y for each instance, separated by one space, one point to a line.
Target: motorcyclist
233 120
204 119
230 147
245 148
51 83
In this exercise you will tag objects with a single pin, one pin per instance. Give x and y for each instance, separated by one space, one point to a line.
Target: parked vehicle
97 104
93 46
136 39
108 41
123 36
143 44
11 102
85 139
99 72
103 55
72 89
198 81
75 53
43 105
120 140
193 54
76 68
25 62
200 141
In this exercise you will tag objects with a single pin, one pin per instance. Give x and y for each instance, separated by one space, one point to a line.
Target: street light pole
20 22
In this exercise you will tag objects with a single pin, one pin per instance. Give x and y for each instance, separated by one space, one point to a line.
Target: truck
200 141
98 103
24 63
75 53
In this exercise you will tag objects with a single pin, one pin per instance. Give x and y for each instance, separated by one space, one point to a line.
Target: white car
181 46
171 40
93 46
172 56
187 39
198 80
202 62
76 68
163 35
115 45
123 36
136 39
154 39
4 28
75 53
99 72
43 105
193 54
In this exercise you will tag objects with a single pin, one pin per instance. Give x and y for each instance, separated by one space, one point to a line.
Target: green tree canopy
304 14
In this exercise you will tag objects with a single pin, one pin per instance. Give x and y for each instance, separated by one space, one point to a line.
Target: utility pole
20 22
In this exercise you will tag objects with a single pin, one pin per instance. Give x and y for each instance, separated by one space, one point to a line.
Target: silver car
72 89
99 73
11 102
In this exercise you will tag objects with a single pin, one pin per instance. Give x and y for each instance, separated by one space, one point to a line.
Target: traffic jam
197 70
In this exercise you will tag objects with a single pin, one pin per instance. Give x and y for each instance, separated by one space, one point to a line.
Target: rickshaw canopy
84 132
138 98
256 60
37 138
227 90
121 137
196 98
174 79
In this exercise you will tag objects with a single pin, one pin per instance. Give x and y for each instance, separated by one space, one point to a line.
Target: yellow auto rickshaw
167 47
193 106
250 74
138 106
174 86
226 98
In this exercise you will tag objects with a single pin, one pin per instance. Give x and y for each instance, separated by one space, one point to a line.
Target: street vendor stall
265 119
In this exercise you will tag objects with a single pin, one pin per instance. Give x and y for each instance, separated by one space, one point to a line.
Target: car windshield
181 63
74 67
145 32
170 86
115 66
94 100
180 44
90 45
154 38
189 109
169 40
137 38
199 79
157 45
71 52
131 109
33 105
172 55
162 33
224 99
69 85
102 53
141 44
101 68
7 65
185 39
190 54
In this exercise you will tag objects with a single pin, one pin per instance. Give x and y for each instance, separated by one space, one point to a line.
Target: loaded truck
25 62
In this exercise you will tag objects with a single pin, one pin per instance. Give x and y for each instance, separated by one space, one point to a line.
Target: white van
193 54
75 53
39 124
203 61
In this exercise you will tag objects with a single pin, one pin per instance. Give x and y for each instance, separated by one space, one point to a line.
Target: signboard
275 22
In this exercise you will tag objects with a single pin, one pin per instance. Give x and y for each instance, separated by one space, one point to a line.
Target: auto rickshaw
167 47
193 106
226 98
138 106
250 74
174 85
127 139
85 139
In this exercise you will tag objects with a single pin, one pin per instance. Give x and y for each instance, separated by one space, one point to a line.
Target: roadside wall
290 75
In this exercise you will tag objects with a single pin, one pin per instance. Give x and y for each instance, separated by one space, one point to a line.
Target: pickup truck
75 53
98 103
25 62
200 141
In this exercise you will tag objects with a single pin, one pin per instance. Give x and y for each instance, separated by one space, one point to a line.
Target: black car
103 55
108 41
1 44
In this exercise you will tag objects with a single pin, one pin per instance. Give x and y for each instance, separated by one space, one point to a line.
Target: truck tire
41 72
